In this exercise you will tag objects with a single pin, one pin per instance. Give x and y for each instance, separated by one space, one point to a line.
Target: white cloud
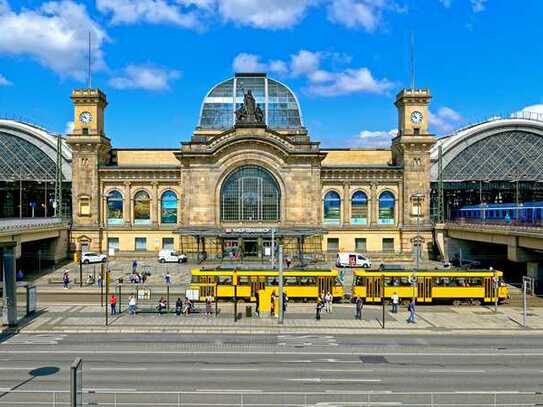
478 5
351 81
245 62
445 120
4 81
367 14
69 127
152 11
271 14
375 139
321 82
530 112
55 35
144 77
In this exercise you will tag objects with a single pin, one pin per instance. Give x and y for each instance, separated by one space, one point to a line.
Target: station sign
247 230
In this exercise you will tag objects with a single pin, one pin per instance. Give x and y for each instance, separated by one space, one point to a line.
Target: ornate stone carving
249 112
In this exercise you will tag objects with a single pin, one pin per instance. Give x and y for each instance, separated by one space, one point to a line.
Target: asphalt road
274 370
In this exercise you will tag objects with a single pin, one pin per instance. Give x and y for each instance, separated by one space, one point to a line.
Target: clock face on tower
416 117
85 117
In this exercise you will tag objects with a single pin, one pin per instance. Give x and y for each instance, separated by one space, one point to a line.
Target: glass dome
279 104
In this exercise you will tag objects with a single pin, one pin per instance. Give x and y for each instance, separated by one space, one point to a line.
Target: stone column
155 204
373 204
10 284
127 203
346 204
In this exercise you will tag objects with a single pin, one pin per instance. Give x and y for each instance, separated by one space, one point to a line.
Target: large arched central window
250 193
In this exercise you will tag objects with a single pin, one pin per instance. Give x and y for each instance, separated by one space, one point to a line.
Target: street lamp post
417 199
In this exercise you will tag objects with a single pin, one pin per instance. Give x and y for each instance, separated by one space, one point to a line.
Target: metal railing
259 398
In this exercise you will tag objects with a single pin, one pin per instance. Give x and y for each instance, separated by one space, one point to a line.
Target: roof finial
90 64
411 61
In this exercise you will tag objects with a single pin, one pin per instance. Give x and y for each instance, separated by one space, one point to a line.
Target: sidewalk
300 318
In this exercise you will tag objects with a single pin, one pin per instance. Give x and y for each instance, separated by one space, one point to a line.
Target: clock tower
411 151
90 150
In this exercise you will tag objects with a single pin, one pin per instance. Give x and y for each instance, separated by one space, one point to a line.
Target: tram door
257 283
325 285
490 289
207 286
374 289
424 289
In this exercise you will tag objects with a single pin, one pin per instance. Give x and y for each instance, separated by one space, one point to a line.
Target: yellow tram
474 286
246 284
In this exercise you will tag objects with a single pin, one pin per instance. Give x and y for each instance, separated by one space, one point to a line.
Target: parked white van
346 259
170 256
91 257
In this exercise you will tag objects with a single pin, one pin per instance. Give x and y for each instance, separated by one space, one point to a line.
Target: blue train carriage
526 212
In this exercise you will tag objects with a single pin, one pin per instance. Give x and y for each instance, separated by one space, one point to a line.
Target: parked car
346 259
170 256
92 257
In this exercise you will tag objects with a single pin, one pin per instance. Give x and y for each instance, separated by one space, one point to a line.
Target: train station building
251 167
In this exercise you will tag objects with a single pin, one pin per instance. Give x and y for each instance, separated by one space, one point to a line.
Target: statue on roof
249 112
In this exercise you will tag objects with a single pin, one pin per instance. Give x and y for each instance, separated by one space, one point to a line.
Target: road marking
228 390
116 369
319 380
456 371
227 369
106 390
347 370
306 340
39 339
295 361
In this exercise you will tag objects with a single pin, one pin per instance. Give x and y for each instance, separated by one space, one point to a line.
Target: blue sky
345 59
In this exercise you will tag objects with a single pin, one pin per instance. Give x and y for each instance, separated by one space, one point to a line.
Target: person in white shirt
132 305
395 302
328 298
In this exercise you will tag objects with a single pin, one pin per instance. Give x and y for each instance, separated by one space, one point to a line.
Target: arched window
168 207
114 208
332 208
142 208
250 193
359 208
386 208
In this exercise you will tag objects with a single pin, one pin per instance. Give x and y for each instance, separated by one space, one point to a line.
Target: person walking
285 300
411 310
134 266
359 304
113 304
328 301
272 306
132 305
178 306
99 280
66 279
318 309
209 302
168 278
395 302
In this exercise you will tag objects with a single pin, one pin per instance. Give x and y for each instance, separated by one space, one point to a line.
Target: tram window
195 279
337 282
243 280
307 280
291 281
404 282
224 280
273 281
475 282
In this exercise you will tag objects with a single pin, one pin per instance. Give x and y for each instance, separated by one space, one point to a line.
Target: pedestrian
209 302
168 278
318 309
132 305
178 306
395 302
272 306
288 261
113 304
359 305
100 280
161 305
285 300
134 266
66 279
19 276
257 305
328 298
411 310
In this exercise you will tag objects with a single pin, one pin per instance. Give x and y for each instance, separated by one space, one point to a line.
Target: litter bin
240 315
248 311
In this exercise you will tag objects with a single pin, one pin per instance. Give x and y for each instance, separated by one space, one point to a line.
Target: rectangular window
360 244
167 243
332 244
388 244
141 243
112 245
84 206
